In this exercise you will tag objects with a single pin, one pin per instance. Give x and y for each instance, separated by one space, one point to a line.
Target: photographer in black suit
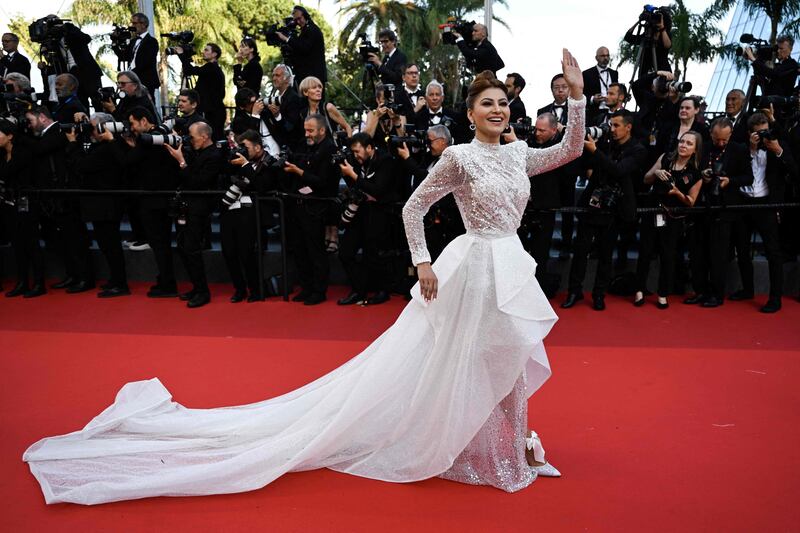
390 67
773 169
144 54
656 32
432 113
252 115
308 48
98 169
727 167
514 85
188 100
311 173
479 52
597 80
735 111
238 230
610 194
68 103
199 171
12 60
151 168
558 108
375 181
210 86
251 73
286 114
781 76
132 94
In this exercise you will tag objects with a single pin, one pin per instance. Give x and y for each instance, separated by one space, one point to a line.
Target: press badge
660 220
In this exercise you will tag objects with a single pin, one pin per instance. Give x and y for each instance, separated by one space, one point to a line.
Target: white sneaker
138 246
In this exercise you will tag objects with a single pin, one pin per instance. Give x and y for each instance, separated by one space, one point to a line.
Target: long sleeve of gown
444 177
540 160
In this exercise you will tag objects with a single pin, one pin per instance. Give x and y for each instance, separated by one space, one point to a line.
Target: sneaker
138 246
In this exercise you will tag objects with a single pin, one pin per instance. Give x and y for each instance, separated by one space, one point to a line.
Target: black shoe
315 298
64 283
712 301
238 296
254 297
665 305
106 286
37 290
773 305
157 291
350 299
694 300
740 295
186 296
572 299
198 300
81 286
18 290
639 302
598 303
114 291
378 298
301 296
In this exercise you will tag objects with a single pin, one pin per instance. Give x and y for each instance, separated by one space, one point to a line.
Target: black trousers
709 252
239 238
107 235
663 241
216 119
370 233
766 223
158 228
536 234
190 237
25 236
306 235
135 219
73 244
566 192
603 236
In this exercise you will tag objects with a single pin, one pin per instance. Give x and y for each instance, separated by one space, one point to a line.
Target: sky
538 30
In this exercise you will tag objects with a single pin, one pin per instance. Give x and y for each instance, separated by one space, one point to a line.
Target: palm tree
695 36
778 11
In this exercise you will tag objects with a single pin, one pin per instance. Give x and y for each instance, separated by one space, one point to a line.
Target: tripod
647 32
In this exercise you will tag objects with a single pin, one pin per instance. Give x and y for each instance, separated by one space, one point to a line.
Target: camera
107 94
366 48
410 141
342 155
597 132
184 40
83 127
779 101
235 191
113 127
663 187
681 87
160 139
271 32
461 27
714 173
524 128
349 200
121 37
389 100
49 28
761 48
273 99
766 135
284 156
653 16
234 152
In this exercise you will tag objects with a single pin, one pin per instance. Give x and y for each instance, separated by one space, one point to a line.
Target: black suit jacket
290 126
49 159
146 62
481 56
87 70
391 70
780 78
151 168
308 53
318 172
736 165
248 75
781 171
378 178
517 108
422 120
550 108
621 166
18 63
591 81
210 84
91 171
545 187
201 174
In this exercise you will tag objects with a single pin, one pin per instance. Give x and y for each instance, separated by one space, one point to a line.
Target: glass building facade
726 76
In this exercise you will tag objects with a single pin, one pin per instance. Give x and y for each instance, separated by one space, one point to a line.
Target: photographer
20 83
390 68
386 119
311 174
479 52
250 115
250 75
652 33
61 217
11 60
144 54
187 106
308 48
432 113
412 96
735 111
285 107
312 103
597 81
558 108
68 103
369 230
688 110
614 100
443 222
514 85
773 169
238 216
210 86
98 169
781 76
727 167
132 94
610 196
676 181
200 173
151 168
21 212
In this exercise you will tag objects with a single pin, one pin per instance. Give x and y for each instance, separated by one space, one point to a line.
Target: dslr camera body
183 39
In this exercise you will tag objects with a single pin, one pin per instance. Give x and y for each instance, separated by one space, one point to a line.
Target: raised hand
572 75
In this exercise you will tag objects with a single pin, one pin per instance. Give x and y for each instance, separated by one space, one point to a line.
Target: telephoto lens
160 139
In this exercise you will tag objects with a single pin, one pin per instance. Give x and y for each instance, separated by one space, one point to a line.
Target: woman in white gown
442 392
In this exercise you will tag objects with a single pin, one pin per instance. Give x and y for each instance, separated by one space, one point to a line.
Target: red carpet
685 419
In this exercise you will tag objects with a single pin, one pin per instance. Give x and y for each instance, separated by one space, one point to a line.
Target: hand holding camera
239 159
663 175
258 107
347 170
403 151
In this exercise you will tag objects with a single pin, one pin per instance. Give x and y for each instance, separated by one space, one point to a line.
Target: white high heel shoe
534 444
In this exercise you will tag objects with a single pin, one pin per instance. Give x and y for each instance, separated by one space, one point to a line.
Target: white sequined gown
442 392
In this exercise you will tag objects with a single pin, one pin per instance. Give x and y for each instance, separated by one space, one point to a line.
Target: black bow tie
603 69
559 106
436 114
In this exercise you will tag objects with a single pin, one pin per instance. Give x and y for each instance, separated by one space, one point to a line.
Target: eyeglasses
412 72
124 82
384 41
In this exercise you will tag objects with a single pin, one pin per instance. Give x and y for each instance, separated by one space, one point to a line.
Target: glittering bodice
489 181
